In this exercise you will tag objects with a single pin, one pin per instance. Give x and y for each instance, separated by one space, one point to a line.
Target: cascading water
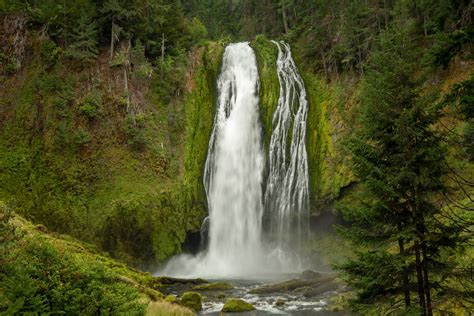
233 175
234 165
287 189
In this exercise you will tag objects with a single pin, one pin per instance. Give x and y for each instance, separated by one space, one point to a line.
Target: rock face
192 300
235 305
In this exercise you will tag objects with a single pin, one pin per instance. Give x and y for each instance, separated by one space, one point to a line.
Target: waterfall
234 165
234 170
233 175
287 189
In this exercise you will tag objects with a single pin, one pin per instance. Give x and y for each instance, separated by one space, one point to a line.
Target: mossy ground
45 272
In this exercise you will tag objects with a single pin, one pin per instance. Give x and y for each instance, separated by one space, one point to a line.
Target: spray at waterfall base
241 195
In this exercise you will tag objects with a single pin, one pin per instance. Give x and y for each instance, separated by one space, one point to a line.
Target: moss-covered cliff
114 162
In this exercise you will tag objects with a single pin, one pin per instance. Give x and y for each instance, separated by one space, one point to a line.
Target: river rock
309 275
215 286
280 302
235 305
192 300
295 285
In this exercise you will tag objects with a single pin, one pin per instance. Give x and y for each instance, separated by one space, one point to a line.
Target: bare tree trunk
126 66
112 39
285 19
162 53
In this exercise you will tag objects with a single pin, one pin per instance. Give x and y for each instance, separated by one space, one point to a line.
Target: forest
108 111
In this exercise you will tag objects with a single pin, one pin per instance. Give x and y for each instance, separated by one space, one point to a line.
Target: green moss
50 275
327 170
266 53
200 106
171 298
129 183
234 305
216 286
192 300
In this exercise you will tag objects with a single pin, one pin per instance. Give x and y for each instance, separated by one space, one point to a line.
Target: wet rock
174 281
280 302
235 305
320 289
216 286
297 285
192 300
41 228
309 275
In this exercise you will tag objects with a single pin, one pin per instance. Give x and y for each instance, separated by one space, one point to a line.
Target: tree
399 160
83 41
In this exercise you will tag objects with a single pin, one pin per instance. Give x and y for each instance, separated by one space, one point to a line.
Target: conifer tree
83 40
398 158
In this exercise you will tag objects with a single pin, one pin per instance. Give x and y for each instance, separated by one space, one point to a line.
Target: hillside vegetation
106 108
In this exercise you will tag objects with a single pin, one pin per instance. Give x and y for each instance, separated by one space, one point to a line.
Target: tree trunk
162 53
426 284
419 274
112 36
285 19
406 280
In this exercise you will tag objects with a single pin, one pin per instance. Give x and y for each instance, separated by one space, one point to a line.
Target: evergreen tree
399 160
83 40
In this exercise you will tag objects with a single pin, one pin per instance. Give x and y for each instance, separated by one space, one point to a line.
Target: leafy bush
91 104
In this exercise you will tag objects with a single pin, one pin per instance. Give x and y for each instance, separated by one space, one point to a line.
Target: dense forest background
106 109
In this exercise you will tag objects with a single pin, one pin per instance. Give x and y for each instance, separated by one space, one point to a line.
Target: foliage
398 158
36 277
90 106
50 52
192 300
83 39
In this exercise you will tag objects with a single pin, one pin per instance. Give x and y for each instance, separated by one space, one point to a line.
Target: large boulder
309 275
192 300
235 305
215 286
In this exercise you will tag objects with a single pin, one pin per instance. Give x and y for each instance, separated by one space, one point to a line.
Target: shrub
49 52
91 105
134 128
7 64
